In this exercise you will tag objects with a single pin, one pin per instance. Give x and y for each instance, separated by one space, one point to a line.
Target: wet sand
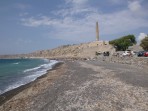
85 86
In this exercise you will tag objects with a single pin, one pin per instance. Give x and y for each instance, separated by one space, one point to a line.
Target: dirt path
94 86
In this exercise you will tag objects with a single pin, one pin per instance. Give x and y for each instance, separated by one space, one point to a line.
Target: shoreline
97 85
11 93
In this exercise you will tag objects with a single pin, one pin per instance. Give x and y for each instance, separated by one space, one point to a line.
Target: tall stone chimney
97 31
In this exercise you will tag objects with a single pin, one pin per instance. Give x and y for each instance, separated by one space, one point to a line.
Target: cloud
78 24
116 1
33 22
137 8
75 11
134 6
76 2
42 21
141 36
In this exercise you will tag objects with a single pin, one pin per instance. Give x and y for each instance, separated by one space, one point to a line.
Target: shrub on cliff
144 43
123 43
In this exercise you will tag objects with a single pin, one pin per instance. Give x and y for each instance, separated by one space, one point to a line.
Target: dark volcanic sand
85 86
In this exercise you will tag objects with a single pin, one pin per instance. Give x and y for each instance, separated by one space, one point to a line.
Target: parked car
133 52
140 53
146 54
129 53
98 53
106 53
126 53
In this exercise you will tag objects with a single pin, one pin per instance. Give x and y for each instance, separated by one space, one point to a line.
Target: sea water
17 72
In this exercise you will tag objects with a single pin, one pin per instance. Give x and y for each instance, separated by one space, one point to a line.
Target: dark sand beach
83 86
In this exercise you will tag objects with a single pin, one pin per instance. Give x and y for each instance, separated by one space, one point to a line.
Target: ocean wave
32 69
13 86
43 66
46 60
24 81
33 74
36 75
16 63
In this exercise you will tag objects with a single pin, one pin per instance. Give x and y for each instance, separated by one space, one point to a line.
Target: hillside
84 50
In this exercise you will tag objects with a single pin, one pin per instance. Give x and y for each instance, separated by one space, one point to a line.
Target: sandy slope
84 50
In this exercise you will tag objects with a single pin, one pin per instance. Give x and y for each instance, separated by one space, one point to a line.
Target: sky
31 25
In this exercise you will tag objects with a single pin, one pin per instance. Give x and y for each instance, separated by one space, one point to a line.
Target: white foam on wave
43 66
35 73
46 60
32 69
13 86
16 63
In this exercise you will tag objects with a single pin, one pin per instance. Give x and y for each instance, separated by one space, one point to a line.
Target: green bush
124 42
144 43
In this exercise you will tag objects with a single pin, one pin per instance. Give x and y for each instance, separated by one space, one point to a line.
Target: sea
17 72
